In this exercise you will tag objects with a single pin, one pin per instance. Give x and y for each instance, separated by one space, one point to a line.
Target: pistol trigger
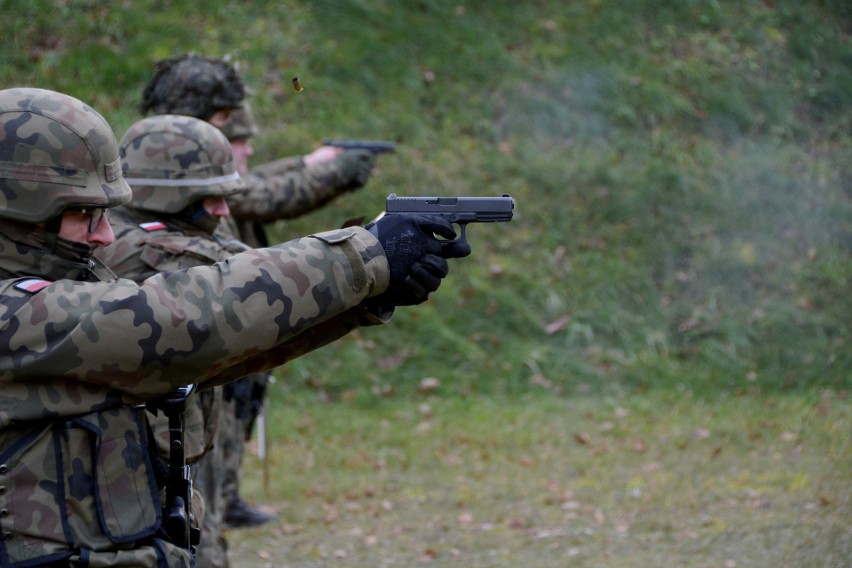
463 237
456 248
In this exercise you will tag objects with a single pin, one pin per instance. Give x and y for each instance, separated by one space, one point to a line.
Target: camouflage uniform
156 232
172 163
282 189
80 351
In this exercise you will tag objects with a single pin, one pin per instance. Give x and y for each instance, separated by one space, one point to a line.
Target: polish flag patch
32 285
153 226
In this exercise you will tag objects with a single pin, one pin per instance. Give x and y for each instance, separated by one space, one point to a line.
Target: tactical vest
82 491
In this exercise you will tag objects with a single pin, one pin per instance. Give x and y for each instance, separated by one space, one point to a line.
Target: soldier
180 170
212 90
81 352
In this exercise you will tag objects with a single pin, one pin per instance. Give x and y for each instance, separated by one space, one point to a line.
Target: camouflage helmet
240 124
56 152
172 161
193 85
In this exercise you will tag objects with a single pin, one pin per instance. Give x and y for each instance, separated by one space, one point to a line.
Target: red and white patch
153 226
32 285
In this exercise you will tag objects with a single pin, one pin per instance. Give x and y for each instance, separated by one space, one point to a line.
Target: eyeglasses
95 215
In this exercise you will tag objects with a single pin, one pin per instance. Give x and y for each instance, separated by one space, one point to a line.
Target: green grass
543 481
680 250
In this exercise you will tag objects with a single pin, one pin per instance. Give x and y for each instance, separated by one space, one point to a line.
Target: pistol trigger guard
463 237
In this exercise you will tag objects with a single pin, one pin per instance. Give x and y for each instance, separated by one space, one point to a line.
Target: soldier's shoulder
16 292
24 285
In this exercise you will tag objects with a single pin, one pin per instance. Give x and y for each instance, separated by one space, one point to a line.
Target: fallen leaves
428 385
583 438
621 471
465 519
557 325
394 361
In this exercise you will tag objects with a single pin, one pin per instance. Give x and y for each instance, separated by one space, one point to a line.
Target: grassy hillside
674 286
680 169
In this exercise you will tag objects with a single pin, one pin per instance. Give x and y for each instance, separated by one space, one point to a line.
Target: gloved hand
416 257
355 167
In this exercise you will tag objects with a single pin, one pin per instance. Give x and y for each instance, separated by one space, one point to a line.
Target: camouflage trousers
218 472
212 551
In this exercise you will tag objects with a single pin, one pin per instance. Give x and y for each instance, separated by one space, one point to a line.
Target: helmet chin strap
51 230
69 250
198 217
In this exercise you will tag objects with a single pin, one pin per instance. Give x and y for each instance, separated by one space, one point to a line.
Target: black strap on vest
178 512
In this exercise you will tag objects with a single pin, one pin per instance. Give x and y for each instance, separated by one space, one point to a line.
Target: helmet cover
240 124
56 152
172 161
193 85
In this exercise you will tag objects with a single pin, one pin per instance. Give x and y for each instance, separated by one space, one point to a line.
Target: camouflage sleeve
277 190
313 338
112 343
281 165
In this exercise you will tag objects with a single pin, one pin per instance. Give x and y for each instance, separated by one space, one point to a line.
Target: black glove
355 167
417 258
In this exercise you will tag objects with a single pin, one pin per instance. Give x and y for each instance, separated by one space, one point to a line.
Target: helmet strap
51 230
197 216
